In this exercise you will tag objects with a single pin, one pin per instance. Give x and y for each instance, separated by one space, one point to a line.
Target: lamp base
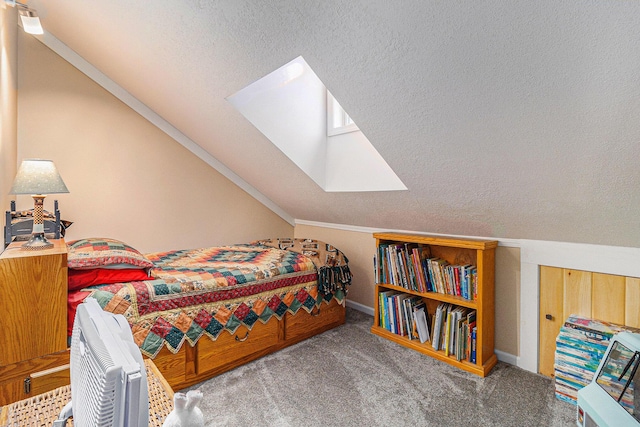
37 242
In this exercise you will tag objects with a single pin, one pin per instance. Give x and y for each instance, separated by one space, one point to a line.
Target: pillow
79 279
104 253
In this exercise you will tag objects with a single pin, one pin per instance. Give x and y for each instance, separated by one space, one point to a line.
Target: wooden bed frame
47 367
208 358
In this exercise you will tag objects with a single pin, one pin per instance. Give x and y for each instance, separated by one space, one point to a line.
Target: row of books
455 331
451 328
404 315
580 345
410 265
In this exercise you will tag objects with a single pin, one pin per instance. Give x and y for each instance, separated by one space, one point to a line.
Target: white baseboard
507 357
360 307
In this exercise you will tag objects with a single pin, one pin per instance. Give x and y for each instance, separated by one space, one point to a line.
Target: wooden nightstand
33 321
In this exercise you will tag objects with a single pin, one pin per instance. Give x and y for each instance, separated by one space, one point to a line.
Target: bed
200 312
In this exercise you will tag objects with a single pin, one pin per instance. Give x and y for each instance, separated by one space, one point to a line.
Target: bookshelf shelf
416 265
451 299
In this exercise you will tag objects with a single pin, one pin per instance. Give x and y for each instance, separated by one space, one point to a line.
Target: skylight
290 107
338 121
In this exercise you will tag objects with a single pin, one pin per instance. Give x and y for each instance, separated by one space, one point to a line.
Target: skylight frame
289 107
338 121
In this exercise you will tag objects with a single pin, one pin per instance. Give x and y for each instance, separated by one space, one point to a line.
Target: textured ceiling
510 119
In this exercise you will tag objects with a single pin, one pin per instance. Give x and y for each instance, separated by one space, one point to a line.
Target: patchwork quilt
205 291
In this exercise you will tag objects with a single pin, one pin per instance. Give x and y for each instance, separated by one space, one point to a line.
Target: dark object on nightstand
19 224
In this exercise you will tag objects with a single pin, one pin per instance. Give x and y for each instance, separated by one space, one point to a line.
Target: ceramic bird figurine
185 410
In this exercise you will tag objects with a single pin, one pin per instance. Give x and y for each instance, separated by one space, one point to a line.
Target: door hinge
27 385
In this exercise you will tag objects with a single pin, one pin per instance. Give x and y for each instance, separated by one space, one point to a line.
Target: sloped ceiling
510 119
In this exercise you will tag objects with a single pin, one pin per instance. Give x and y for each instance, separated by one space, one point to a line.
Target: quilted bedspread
205 291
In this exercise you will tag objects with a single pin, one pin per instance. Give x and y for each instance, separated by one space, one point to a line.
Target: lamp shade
36 176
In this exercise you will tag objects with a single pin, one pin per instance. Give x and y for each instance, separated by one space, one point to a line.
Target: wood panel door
564 292
551 315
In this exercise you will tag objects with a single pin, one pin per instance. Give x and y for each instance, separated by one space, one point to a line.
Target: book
433 322
417 269
440 330
427 277
382 265
383 308
393 270
448 334
376 270
401 323
437 266
464 351
474 282
421 323
464 282
474 333
435 340
391 313
401 270
456 314
408 305
471 323
461 336
412 303
412 280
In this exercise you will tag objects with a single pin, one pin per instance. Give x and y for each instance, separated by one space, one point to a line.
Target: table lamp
38 178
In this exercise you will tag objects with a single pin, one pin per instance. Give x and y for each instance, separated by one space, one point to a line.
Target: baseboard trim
505 357
514 243
360 307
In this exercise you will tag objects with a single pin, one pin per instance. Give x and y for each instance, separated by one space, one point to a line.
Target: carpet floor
350 377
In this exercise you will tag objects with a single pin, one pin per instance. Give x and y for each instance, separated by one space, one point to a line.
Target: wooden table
43 409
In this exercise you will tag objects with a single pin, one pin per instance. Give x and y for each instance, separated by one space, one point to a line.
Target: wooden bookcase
481 254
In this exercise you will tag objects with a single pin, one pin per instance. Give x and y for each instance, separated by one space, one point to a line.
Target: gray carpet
349 377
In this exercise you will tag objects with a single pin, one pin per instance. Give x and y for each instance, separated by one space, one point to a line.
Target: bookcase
437 272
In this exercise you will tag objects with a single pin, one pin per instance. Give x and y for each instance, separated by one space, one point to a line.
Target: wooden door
551 315
564 292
